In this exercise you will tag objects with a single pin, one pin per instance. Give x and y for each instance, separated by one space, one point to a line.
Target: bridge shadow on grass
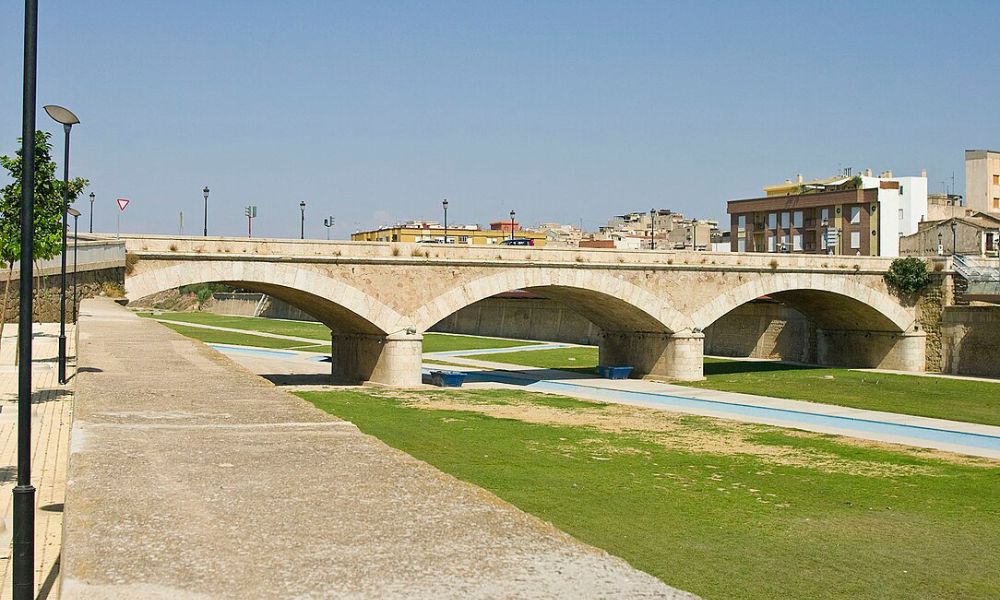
283 379
732 367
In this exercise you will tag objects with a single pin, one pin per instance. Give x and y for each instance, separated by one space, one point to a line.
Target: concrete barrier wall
521 318
970 340
762 330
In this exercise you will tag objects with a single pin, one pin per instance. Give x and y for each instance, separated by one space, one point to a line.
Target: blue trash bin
619 372
447 378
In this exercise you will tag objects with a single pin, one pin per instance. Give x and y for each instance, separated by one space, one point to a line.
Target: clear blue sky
373 112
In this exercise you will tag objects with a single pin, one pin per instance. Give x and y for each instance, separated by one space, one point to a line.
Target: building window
824 214
463 239
741 245
996 180
784 220
855 213
770 243
996 203
784 242
741 223
900 190
855 239
797 218
797 242
822 241
901 214
772 221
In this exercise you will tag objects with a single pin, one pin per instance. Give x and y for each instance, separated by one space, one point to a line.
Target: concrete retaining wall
521 318
970 340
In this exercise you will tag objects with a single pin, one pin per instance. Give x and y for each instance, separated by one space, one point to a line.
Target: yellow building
426 231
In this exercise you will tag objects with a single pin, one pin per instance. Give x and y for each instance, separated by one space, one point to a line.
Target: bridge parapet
227 248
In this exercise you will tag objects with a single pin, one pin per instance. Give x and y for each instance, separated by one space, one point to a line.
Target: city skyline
374 114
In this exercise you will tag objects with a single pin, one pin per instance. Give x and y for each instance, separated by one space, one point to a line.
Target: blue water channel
793 418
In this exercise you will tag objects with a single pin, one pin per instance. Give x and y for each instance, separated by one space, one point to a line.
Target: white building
901 207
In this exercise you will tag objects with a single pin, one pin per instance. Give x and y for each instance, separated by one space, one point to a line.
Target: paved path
51 420
192 478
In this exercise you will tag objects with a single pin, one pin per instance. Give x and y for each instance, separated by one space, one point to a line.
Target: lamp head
302 204
61 115
91 196
205 192
73 212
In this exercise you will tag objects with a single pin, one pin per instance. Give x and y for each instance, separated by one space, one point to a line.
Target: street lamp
328 223
204 192
91 212
940 248
953 245
511 224
76 245
444 204
694 234
23 496
68 120
302 227
652 229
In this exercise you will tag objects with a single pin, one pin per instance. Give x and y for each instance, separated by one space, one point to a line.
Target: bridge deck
192 478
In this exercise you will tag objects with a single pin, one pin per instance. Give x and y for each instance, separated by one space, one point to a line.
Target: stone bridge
379 298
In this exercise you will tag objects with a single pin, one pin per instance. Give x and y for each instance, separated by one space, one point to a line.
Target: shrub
131 260
112 290
907 275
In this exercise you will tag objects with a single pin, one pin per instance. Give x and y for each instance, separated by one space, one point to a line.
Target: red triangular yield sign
122 203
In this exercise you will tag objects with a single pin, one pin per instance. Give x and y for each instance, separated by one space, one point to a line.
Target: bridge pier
674 356
392 360
872 349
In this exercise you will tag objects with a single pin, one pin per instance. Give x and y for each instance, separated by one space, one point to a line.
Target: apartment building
432 231
853 215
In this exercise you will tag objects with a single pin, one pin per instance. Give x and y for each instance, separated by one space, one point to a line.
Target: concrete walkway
192 478
50 426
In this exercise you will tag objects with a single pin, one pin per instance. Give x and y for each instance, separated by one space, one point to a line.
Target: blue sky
373 112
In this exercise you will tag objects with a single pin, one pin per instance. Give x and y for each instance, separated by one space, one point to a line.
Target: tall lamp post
694 234
204 192
953 237
23 555
302 226
511 224
91 212
328 223
68 120
444 205
652 229
76 246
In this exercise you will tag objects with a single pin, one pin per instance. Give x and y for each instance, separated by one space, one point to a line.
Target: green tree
907 275
47 210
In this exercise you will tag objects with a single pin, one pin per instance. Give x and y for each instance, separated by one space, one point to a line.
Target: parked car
518 242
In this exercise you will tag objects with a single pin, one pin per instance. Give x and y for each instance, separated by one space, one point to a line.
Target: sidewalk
51 421
193 478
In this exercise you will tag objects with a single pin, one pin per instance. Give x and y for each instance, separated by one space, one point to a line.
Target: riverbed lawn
721 509
433 342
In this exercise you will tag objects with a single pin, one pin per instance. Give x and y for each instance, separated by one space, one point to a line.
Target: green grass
936 397
579 358
845 521
433 342
304 329
214 336
443 342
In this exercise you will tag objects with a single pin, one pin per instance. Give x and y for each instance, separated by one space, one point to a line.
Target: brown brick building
800 223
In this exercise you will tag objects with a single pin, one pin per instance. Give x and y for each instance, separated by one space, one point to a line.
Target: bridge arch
611 303
847 324
336 304
835 302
